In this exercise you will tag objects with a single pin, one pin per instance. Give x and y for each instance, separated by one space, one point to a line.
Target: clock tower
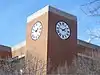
52 36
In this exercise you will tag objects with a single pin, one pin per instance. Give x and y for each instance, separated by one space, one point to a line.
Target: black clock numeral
67 28
68 31
63 36
60 23
36 24
33 36
57 27
57 31
63 23
59 34
68 34
37 37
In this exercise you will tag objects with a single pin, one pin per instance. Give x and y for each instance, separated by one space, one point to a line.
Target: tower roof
51 9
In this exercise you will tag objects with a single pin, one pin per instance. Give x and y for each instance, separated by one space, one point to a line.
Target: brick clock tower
52 36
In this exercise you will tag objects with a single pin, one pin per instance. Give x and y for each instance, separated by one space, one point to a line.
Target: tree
33 65
8 67
84 65
94 34
91 8
28 65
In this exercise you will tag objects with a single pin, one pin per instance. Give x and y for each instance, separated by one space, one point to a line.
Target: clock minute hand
65 29
36 30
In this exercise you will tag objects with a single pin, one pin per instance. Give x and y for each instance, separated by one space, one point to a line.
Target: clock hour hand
63 29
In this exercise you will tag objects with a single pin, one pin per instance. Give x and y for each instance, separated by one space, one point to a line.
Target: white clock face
36 30
62 30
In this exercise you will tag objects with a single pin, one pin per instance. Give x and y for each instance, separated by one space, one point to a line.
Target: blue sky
14 13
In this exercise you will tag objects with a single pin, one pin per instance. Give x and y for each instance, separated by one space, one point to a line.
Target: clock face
62 30
36 30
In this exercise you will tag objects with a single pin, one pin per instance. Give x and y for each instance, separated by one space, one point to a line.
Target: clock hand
36 30
64 29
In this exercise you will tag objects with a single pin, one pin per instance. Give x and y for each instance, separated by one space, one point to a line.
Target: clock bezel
40 32
68 27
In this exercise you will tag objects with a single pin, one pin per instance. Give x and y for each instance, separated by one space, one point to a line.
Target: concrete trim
37 14
21 56
16 58
16 47
62 13
86 44
51 9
